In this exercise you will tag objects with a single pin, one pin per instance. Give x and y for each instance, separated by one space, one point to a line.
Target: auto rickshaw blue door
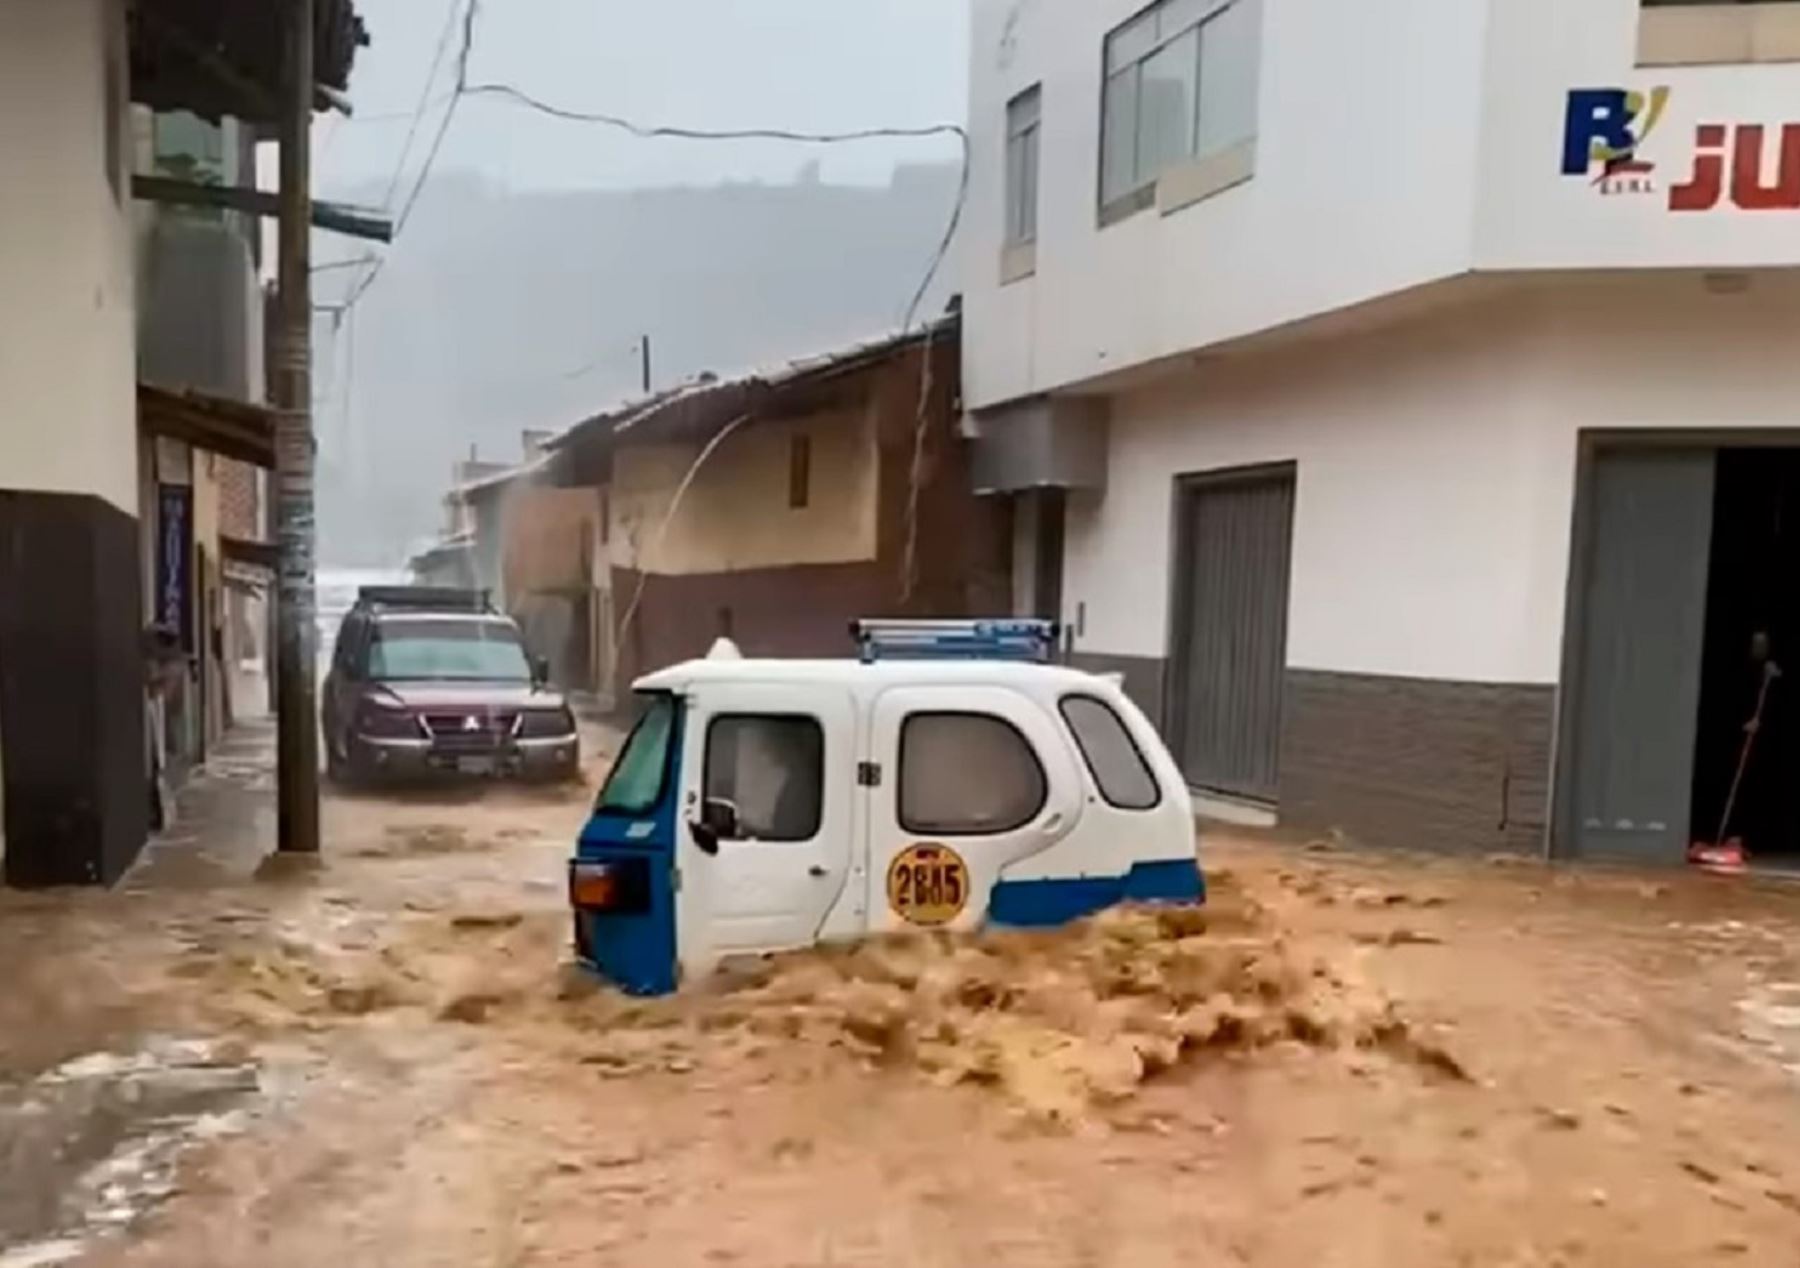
622 880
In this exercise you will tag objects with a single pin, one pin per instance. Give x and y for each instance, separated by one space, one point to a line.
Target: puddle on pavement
91 1145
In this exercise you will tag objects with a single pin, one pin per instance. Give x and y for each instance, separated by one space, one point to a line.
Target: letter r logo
1596 115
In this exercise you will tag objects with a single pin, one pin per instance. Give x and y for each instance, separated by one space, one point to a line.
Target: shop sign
1606 130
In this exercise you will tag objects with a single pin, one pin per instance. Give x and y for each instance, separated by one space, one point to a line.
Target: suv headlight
387 723
546 724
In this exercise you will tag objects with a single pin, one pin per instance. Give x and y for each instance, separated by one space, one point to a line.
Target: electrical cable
519 97
662 529
418 113
921 424
437 145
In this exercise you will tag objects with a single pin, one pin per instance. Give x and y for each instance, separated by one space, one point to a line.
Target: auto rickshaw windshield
635 783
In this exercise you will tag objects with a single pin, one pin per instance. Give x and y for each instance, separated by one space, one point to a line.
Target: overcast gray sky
798 64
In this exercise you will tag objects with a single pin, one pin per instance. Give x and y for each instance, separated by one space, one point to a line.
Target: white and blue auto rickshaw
951 778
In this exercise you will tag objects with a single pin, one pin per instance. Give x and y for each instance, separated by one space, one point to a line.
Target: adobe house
776 507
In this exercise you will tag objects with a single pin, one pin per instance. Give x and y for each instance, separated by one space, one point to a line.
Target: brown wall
550 536
962 553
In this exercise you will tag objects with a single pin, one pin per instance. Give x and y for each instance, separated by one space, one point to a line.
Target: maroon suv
431 681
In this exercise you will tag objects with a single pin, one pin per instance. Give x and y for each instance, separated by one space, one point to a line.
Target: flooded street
1350 1059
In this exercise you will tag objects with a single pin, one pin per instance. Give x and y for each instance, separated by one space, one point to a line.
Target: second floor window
1181 82
1024 118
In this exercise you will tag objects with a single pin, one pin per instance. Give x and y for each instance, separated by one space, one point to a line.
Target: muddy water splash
1060 1023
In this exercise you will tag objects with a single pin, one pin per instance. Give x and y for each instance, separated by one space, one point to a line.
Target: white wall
67 405
1531 216
1399 142
1436 465
1366 173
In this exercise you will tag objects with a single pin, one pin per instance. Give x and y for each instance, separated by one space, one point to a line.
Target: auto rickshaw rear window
1112 756
967 774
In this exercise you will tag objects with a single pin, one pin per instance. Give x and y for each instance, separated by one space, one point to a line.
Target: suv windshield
484 651
636 782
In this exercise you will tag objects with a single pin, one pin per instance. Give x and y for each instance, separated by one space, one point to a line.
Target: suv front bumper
556 757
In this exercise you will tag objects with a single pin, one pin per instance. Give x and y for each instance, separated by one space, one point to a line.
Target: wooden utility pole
644 349
297 763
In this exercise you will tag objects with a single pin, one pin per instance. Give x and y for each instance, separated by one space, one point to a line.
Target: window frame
652 700
799 471
818 726
1087 759
1672 33
1022 198
1037 762
1142 194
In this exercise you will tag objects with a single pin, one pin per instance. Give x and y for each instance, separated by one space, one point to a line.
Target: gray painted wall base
1405 763
1418 764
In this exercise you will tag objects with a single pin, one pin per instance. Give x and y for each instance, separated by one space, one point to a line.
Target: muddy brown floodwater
1351 1058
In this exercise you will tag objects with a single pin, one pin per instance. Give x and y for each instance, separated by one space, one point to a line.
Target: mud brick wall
962 549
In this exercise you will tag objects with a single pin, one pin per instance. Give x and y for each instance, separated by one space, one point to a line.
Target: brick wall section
1417 764
237 501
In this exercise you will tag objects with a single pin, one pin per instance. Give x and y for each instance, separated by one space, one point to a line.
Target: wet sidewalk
104 1086
224 822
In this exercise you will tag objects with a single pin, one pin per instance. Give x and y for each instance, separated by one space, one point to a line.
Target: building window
1112 756
1024 114
1718 32
771 768
799 471
967 774
1180 87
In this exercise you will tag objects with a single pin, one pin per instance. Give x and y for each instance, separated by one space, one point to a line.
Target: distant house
775 507
535 549
450 559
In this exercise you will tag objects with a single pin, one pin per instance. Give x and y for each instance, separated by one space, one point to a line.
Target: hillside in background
502 311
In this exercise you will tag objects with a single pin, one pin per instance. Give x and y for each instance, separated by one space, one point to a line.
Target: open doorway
1750 665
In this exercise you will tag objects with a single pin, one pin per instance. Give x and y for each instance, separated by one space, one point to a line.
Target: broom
1722 854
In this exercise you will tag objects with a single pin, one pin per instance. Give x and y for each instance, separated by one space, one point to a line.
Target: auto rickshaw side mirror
718 822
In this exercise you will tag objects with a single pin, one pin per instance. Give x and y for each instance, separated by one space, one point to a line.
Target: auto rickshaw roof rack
424 599
1019 639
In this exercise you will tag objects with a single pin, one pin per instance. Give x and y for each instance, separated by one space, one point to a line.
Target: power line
650 132
437 145
519 97
418 114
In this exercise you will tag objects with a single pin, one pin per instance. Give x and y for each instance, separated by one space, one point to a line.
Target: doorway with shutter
1233 552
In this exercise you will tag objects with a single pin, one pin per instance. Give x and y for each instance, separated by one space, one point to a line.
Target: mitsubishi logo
471 724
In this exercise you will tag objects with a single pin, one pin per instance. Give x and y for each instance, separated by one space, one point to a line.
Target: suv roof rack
1012 639
423 599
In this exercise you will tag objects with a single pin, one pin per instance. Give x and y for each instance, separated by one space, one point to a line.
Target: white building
1408 396
128 353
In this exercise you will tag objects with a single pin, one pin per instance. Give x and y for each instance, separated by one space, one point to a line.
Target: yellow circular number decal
928 884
